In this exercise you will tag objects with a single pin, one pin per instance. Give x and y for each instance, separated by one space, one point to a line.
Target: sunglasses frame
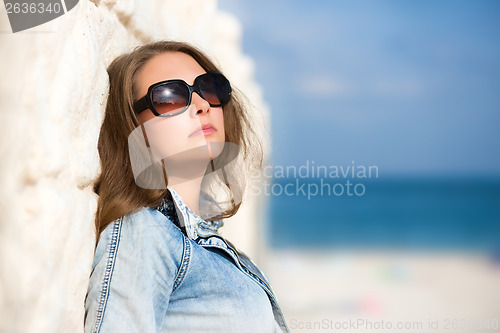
146 102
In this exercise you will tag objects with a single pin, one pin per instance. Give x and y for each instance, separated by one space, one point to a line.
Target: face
178 139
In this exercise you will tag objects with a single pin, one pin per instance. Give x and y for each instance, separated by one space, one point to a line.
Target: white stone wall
52 87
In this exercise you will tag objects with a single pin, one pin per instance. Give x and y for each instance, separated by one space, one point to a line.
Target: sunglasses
172 97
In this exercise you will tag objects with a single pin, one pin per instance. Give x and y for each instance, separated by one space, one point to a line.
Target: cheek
167 136
170 136
218 121
217 118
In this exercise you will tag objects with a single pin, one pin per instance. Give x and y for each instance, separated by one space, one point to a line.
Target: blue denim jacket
168 270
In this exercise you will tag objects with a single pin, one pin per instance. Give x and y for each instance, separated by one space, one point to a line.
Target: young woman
175 145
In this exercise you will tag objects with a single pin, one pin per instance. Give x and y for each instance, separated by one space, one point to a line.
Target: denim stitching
186 256
113 245
276 308
242 265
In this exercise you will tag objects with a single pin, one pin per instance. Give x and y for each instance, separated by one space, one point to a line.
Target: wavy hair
117 190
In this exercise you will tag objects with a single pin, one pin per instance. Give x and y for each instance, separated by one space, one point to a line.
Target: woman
174 145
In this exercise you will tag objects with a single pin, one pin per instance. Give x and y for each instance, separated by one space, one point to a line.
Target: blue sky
410 86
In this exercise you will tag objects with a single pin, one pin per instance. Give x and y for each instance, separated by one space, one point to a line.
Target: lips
204 129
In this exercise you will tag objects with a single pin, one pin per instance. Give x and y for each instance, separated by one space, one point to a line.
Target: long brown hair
117 190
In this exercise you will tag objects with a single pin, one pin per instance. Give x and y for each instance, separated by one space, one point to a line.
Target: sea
395 213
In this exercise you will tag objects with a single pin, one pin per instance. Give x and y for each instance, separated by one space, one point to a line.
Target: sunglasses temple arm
141 105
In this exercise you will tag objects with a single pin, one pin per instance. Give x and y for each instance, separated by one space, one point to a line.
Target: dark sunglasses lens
170 98
215 88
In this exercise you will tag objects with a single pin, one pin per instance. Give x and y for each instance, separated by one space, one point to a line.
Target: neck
186 179
189 190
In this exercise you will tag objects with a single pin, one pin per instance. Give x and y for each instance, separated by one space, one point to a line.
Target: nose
200 105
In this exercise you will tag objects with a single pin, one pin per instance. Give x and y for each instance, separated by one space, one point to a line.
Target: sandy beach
347 291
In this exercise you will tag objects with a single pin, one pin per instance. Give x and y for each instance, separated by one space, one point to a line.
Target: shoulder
137 265
146 222
146 233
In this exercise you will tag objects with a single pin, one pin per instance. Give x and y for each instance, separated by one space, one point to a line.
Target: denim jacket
168 270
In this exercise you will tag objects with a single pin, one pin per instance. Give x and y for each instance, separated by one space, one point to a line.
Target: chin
216 148
203 151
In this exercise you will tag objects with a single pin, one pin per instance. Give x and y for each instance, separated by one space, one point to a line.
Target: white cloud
323 86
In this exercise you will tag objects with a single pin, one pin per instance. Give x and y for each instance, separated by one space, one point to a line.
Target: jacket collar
187 220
